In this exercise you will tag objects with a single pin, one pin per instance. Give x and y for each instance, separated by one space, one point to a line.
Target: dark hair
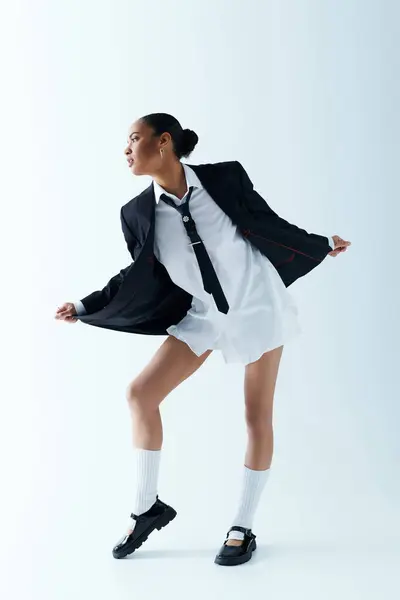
183 140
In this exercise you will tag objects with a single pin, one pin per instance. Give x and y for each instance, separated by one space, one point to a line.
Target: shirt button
185 218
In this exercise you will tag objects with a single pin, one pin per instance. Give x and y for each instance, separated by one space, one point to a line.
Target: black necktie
209 276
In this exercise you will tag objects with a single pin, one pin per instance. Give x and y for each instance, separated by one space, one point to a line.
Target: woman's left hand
341 245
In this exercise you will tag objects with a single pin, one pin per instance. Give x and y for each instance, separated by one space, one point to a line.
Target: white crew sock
252 485
147 470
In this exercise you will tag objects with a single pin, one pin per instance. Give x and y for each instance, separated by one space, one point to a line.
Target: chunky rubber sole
234 560
161 522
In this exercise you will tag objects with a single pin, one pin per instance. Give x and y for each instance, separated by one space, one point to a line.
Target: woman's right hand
66 312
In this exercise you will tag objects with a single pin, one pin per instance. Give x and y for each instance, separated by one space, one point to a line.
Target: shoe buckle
248 533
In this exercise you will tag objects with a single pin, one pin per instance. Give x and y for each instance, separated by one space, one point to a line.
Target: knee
258 420
138 397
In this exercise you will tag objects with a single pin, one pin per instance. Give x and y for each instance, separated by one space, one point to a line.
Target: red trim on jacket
247 231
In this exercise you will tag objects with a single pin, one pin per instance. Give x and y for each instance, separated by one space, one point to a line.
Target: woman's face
143 149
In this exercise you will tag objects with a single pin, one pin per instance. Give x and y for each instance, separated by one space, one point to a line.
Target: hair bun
188 141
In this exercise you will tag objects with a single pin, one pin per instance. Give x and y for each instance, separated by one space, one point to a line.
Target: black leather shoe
236 555
158 516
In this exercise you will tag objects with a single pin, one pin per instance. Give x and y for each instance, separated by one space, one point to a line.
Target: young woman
232 282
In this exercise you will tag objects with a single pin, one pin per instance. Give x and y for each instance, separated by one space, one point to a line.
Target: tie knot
171 202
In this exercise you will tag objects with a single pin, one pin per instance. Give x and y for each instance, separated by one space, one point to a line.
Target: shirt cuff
79 308
331 242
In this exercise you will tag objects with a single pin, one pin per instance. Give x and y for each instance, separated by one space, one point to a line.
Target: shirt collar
191 180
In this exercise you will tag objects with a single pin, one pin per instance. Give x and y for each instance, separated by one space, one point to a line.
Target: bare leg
173 362
259 388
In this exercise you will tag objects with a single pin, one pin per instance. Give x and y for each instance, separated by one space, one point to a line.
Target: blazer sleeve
100 298
277 229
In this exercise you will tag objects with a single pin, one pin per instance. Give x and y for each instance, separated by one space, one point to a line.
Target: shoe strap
137 516
244 530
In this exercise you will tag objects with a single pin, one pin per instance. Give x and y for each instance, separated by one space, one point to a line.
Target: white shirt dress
262 313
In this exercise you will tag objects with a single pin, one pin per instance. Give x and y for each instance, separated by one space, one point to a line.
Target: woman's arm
277 229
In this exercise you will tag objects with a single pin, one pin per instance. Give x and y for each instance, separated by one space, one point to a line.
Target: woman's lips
130 162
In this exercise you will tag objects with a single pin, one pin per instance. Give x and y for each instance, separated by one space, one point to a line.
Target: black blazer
142 298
